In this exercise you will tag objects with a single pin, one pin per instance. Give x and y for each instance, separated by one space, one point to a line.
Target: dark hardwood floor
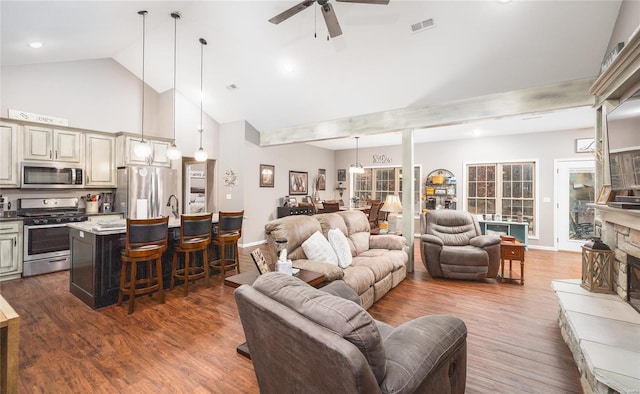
189 344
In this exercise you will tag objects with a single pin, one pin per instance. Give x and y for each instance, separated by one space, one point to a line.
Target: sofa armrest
330 271
414 350
432 239
483 241
386 241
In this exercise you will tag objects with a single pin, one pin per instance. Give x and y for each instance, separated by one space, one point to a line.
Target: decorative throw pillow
318 248
340 245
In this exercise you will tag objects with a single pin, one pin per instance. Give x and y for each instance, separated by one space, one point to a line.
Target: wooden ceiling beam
546 98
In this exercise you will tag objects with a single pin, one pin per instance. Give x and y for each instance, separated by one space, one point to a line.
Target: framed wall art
322 179
298 182
605 195
267 175
342 175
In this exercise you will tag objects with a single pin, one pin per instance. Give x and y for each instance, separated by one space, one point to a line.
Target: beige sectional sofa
379 261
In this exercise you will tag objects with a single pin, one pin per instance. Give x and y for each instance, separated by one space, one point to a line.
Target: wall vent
424 25
233 87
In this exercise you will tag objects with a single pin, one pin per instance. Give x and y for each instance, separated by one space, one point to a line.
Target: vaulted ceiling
287 77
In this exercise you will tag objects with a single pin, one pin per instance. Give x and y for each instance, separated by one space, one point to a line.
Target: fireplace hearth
633 282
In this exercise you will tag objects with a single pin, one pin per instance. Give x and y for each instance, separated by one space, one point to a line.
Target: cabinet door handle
56 155
5 228
87 180
50 154
15 241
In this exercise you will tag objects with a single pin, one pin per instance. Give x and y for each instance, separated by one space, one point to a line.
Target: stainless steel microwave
51 176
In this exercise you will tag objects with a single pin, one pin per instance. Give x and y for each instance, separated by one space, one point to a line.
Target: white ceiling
286 77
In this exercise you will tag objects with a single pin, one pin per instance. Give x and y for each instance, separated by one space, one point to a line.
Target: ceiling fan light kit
330 18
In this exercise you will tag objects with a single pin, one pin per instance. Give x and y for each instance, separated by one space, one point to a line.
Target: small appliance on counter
107 202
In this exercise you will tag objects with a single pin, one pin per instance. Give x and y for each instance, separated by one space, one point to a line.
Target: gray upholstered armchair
307 340
452 246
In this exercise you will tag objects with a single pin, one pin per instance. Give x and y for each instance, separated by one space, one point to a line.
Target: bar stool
195 236
229 232
146 241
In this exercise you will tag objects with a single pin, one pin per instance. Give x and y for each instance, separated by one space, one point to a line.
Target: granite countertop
118 226
9 219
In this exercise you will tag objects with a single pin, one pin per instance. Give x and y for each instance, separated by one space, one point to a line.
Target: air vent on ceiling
233 87
420 26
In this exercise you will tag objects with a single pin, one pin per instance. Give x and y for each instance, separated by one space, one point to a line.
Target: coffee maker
107 202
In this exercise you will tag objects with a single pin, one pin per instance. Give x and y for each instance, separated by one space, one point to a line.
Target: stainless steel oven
46 235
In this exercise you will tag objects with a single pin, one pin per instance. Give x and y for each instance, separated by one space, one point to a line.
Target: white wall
452 155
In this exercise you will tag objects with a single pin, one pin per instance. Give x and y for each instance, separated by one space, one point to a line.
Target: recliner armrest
416 348
432 239
340 289
483 241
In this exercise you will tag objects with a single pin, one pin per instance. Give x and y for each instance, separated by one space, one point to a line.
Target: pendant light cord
203 42
175 17
144 17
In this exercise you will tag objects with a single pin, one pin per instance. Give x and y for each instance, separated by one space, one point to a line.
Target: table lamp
393 206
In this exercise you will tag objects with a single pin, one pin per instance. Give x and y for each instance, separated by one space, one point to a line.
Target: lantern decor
597 267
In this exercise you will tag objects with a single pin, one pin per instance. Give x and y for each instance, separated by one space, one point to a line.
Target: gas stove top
44 211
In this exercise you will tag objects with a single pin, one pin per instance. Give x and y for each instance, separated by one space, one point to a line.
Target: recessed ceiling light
504 1
36 45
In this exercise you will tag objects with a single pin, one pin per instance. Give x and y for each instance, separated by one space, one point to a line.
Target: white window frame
536 182
417 209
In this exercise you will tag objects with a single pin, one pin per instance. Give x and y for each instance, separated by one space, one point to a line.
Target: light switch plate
228 196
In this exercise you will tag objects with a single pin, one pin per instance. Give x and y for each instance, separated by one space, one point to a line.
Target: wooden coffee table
314 279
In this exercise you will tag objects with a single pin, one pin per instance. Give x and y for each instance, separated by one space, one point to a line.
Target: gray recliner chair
452 246
307 340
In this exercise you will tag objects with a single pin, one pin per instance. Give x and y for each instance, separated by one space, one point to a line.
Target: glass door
575 182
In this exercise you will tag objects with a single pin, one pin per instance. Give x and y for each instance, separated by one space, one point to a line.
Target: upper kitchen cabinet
100 160
9 155
127 155
52 145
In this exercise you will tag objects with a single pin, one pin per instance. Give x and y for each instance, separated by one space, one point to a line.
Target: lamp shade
392 204
356 169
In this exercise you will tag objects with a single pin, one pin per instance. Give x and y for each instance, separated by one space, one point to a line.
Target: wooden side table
511 249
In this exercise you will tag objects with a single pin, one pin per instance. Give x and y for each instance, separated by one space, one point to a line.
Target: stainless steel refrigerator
143 192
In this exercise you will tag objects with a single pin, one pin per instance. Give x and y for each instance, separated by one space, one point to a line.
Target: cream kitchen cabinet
10 250
158 157
100 160
42 143
9 162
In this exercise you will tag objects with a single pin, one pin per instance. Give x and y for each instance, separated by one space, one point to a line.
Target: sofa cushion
337 314
316 247
340 245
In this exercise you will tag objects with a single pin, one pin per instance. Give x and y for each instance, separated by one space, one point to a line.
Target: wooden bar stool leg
132 285
223 257
159 279
174 268
187 271
236 257
205 266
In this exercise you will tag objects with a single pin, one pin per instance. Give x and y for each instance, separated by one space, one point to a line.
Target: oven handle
28 227
57 261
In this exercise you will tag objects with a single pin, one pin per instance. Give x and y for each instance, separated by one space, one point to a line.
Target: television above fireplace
623 136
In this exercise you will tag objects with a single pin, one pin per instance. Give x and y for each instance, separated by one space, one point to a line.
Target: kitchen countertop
110 227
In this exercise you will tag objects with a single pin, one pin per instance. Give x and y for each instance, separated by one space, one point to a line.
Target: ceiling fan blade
331 20
283 16
381 2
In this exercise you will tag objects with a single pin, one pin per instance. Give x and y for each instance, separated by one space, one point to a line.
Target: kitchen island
95 259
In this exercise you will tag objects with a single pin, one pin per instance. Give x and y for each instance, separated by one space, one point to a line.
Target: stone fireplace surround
603 330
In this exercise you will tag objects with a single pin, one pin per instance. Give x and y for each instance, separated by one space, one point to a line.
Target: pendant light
173 153
356 168
201 154
142 149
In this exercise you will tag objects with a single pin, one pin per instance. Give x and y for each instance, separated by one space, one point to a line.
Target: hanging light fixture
173 152
201 154
142 149
356 168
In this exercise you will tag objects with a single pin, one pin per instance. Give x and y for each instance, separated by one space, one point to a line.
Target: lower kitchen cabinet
10 250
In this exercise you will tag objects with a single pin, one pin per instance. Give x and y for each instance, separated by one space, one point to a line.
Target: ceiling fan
327 11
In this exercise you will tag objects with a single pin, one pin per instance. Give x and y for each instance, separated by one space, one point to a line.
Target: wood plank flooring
188 344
